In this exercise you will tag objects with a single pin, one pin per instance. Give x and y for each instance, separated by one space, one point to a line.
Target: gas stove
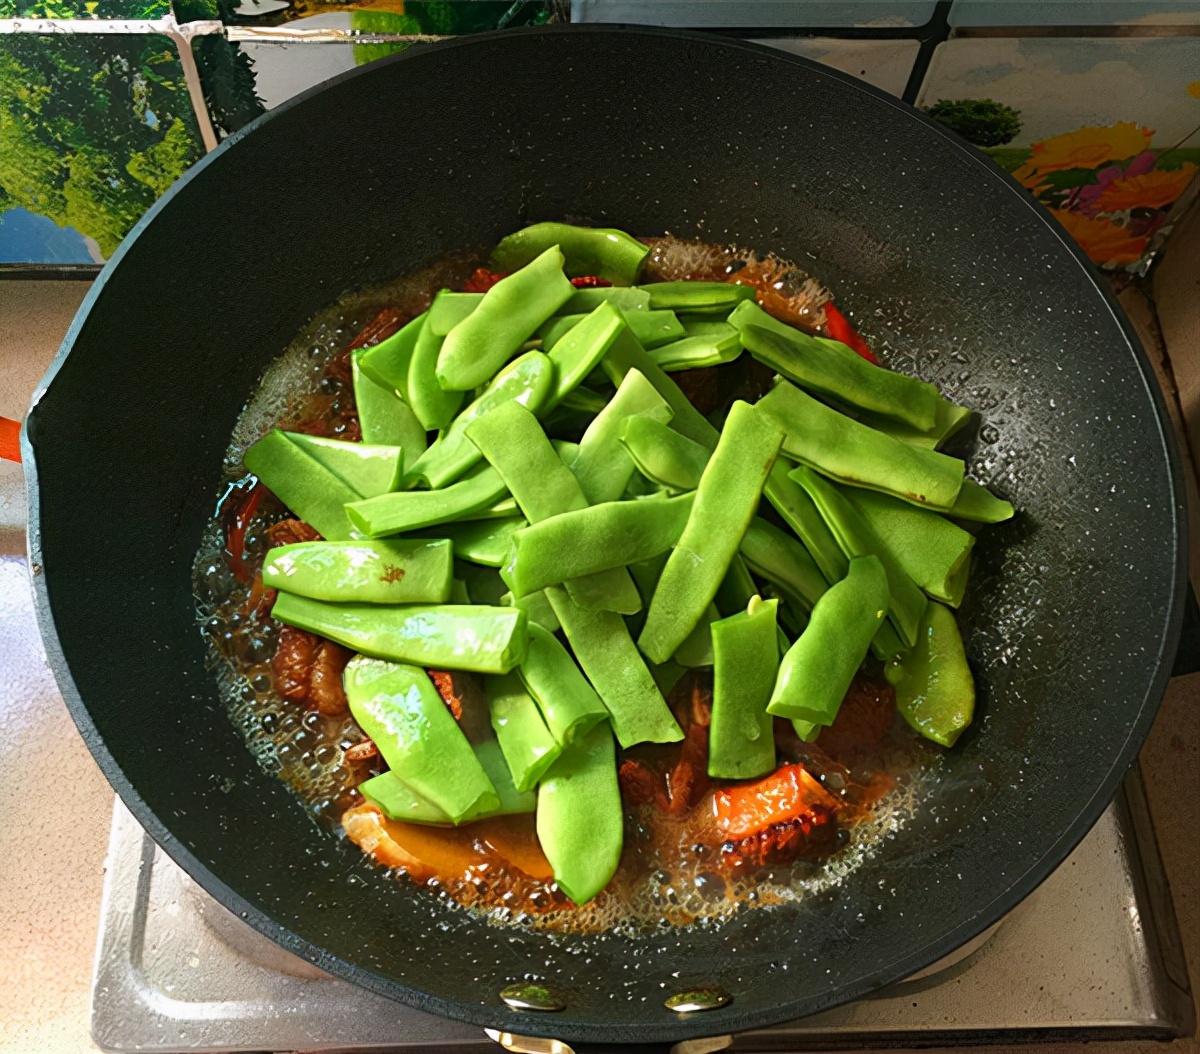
1093 953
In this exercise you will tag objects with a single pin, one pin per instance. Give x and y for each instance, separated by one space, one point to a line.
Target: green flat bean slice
513 441
528 746
399 708
663 455
736 588
478 541
409 510
304 485
449 309
623 298
611 660
692 353
573 544
507 316
816 672
699 326
581 348
442 637
930 549
813 362
849 452
569 705
391 572
651 328
603 466
459 593
434 406
779 558
387 362
950 418
976 502
600 251
697 647
580 824
801 515
935 692
585 400
483 583
537 609
857 538
504 509
741 743
384 416
366 468
399 801
699 298
726 500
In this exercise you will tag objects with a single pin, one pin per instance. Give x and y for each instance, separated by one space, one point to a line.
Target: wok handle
535 1045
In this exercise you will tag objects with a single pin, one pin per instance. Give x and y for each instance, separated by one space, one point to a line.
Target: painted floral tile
117 9
437 17
93 128
759 14
1075 13
884 63
1105 132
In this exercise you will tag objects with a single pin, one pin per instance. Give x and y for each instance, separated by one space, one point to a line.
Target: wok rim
673 1028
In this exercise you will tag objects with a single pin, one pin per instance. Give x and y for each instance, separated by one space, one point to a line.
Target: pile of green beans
468 531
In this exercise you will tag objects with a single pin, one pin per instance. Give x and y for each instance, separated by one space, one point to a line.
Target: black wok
955 274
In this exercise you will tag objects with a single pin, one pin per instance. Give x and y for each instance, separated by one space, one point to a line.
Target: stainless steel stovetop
1094 953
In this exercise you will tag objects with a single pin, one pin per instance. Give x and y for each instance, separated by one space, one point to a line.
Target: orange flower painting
1153 190
1102 240
1086 147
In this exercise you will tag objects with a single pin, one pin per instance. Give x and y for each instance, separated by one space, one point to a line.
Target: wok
954 273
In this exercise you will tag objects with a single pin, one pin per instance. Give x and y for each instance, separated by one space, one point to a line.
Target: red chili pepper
235 533
382 326
590 281
839 328
10 439
482 280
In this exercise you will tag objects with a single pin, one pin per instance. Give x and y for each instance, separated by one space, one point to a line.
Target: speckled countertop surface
55 806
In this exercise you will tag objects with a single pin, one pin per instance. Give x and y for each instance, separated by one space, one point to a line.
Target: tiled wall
1094 105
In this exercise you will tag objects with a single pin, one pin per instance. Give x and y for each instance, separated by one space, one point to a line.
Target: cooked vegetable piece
387 362
776 556
304 485
725 502
581 349
398 707
857 537
513 441
483 583
798 511
697 647
887 644
449 309
367 468
928 547
736 588
692 353
434 405
479 541
976 502
663 455
935 691
391 572
601 251
746 657
829 367
528 746
536 607
574 544
788 794
816 672
400 802
504 509
849 452
444 637
585 401
383 415
569 705
459 594
528 380
603 466
507 316
651 328
625 299
699 298
409 510
610 659
580 824
950 419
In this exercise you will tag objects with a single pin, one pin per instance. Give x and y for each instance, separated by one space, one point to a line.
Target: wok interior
947 271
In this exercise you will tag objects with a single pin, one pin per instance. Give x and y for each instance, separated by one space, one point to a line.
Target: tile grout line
182 38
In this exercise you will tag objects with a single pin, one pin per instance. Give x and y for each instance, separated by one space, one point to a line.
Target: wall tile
1075 12
883 63
132 9
739 14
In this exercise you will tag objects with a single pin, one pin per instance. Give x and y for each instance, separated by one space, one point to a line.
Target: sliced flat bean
821 365
504 509
479 541
409 510
801 515
816 672
726 499
513 441
651 328
779 558
736 588
697 647
580 825
857 538
537 609
692 353
663 455
449 309
367 468
887 644
741 744
976 502
507 316
699 326
483 583
624 298
840 447
434 406
573 544
581 348
935 692
699 298
450 637
610 659
929 548
528 746
391 572
584 400
603 466
387 362
383 414
569 705
400 802
304 485
528 380
601 251
400 709
459 593
950 419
